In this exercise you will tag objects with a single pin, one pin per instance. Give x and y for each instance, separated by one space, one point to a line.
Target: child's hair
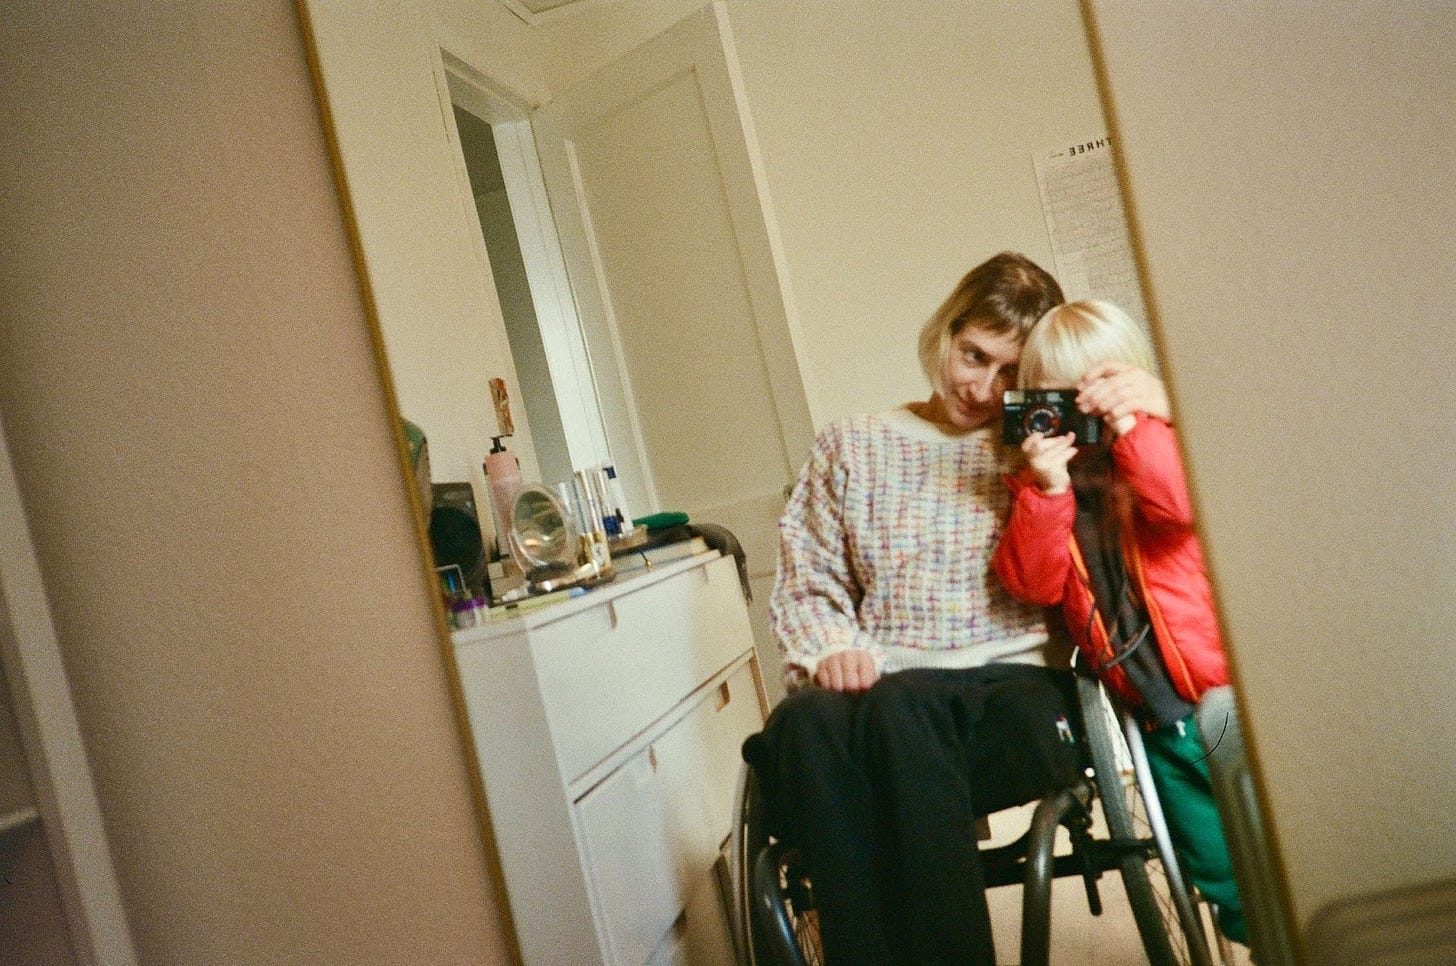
1072 338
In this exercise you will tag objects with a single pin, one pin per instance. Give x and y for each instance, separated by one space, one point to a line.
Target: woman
923 694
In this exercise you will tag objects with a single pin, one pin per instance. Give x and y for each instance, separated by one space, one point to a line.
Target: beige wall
898 142
206 455
535 63
1291 170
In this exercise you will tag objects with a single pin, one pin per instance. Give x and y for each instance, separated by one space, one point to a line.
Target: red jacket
1039 561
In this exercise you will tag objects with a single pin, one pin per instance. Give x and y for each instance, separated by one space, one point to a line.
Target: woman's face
981 366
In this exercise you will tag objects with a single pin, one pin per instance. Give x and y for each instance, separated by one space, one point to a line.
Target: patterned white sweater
886 545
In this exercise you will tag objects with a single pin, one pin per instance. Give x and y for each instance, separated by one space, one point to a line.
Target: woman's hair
1005 294
1072 338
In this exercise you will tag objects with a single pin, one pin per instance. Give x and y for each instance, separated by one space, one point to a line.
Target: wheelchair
774 920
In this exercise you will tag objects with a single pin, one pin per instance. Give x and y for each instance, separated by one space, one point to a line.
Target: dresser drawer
654 827
608 672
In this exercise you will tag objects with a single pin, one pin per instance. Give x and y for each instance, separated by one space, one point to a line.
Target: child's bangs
1056 356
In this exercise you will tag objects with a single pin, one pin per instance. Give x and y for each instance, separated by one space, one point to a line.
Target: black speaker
455 534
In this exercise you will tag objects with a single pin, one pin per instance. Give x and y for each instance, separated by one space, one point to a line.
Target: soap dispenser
503 475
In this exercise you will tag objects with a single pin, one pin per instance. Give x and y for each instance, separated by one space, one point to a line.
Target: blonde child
1106 532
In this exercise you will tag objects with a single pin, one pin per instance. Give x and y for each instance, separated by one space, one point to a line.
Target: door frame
66 807
567 357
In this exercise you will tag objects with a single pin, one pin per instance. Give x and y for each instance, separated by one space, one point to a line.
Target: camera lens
1044 420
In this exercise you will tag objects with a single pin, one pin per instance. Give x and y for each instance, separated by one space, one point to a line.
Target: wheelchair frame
772 915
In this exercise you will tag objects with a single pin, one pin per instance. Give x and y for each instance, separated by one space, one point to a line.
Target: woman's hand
851 670
1117 392
1048 457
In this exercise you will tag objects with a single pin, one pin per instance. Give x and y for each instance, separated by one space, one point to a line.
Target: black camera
1051 412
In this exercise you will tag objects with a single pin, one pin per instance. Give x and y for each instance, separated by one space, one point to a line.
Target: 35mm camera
1051 412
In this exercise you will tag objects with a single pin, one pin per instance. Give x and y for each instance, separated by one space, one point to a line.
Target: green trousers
1180 773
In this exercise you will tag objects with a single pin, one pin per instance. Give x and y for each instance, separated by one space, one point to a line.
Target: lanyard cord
1120 652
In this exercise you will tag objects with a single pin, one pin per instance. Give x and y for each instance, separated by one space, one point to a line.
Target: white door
659 200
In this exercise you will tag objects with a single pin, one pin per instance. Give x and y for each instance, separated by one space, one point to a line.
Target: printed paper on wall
1087 224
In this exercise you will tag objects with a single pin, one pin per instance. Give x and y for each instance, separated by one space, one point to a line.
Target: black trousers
881 792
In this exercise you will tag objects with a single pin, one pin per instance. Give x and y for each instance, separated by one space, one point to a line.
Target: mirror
882 154
542 532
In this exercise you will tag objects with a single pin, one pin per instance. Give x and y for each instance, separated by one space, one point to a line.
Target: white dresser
607 730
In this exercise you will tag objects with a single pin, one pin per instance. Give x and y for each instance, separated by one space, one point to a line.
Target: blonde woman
923 694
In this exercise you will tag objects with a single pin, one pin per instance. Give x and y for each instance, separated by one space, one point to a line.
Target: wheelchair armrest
722 540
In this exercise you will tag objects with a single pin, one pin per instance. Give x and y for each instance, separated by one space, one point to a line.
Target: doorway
501 172
513 290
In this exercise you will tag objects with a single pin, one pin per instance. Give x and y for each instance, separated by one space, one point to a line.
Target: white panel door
659 199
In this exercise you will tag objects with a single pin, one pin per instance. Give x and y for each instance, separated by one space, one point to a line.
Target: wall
897 141
207 458
1291 172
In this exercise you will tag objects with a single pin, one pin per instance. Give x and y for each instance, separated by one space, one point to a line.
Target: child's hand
1048 457
1117 392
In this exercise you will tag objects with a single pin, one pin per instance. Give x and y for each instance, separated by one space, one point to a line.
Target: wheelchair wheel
793 921
775 922
1168 919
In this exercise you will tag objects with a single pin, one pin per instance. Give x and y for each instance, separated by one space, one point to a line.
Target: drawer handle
724 696
652 757
612 613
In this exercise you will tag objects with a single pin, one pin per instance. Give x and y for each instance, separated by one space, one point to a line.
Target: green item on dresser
661 521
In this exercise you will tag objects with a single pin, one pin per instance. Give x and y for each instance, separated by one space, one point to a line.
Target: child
1107 532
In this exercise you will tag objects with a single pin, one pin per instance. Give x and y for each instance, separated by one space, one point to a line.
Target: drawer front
608 672
712 738
652 830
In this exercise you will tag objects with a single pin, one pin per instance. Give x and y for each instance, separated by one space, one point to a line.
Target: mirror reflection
683 239
540 530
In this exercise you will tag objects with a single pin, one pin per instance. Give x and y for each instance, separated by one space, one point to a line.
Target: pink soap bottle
503 475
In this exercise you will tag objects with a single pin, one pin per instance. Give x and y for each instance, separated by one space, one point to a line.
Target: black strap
1096 529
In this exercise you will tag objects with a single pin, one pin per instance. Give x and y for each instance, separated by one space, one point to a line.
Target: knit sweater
886 545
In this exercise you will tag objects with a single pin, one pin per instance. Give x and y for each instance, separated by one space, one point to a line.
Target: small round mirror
541 531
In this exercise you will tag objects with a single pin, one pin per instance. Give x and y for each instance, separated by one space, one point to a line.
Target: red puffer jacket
1039 561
